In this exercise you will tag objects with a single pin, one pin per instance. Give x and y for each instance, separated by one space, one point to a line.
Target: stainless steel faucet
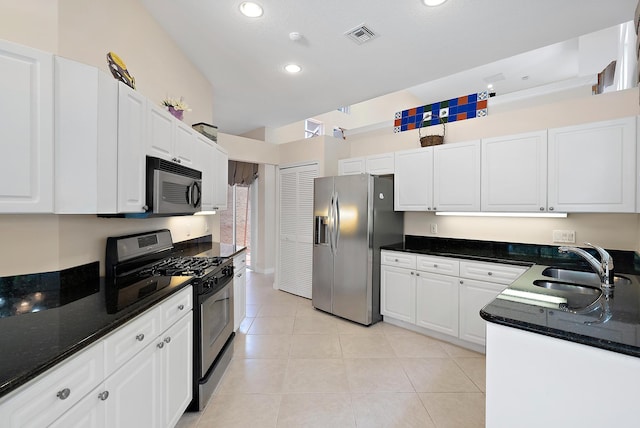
604 267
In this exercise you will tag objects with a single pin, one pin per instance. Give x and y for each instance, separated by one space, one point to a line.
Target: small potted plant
176 107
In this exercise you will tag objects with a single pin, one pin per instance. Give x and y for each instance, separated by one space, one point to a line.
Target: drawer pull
418 274
160 345
180 307
397 260
489 273
412 273
461 282
64 394
140 337
103 395
167 339
435 265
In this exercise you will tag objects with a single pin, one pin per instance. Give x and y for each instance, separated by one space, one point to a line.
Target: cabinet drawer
492 272
395 258
441 265
240 261
130 339
176 307
55 392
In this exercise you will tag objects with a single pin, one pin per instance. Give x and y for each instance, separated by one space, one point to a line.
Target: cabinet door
132 119
184 144
221 178
351 166
239 289
26 176
398 293
86 108
437 302
514 173
380 164
207 164
475 295
413 182
592 167
160 132
90 412
456 177
177 368
135 391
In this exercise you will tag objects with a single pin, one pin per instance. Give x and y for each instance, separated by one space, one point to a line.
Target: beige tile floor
294 366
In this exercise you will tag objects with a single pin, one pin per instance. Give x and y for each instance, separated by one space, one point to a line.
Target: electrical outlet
564 236
434 228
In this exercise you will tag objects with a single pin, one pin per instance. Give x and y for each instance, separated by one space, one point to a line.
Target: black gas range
145 265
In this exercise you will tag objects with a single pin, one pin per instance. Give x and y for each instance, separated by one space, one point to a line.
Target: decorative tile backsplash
453 110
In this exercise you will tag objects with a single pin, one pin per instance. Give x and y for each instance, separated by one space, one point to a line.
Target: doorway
235 221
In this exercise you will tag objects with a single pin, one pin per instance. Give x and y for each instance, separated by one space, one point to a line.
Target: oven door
216 324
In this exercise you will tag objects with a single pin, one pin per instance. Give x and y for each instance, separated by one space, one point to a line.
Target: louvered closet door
296 229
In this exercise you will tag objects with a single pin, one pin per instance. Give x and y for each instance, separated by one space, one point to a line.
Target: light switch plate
434 228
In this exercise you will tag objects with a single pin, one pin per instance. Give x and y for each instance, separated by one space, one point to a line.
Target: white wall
85 31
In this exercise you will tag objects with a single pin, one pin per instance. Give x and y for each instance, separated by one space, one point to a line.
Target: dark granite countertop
70 314
612 324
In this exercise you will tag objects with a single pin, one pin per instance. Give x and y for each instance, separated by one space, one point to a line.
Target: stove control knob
215 280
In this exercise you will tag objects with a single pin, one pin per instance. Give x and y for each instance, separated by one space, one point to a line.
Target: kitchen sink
578 297
580 277
569 287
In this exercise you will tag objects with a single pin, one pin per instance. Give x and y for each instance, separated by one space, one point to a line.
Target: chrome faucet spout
603 267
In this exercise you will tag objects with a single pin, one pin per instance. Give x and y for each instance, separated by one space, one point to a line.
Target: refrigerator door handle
331 220
337 204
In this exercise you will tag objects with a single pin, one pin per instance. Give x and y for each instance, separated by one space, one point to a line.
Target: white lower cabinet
151 388
475 295
239 289
437 302
397 293
441 294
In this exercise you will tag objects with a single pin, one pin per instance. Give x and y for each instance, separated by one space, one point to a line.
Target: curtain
242 173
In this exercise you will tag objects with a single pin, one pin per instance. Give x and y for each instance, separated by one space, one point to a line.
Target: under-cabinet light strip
495 214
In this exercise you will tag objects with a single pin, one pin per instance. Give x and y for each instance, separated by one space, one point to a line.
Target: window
313 128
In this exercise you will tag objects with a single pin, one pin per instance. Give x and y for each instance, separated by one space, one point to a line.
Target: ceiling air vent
360 34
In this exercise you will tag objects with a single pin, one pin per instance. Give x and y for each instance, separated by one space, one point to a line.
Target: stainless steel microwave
172 189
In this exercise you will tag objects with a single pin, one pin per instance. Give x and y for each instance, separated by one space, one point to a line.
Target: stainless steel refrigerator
353 217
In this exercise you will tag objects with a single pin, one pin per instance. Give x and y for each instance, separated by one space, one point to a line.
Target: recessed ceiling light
292 68
251 9
433 2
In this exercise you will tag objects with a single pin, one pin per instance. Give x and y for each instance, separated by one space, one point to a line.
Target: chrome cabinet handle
550 208
418 274
461 282
64 394
103 395
167 339
180 307
412 273
160 345
140 337
541 208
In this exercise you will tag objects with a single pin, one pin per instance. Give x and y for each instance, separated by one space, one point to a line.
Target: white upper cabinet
132 143
351 166
456 177
380 164
169 138
413 182
514 173
26 134
592 167
220 178
86 121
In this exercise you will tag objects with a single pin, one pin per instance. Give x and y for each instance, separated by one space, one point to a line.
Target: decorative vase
176 113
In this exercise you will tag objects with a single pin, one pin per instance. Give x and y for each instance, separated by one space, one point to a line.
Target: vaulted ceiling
244 58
